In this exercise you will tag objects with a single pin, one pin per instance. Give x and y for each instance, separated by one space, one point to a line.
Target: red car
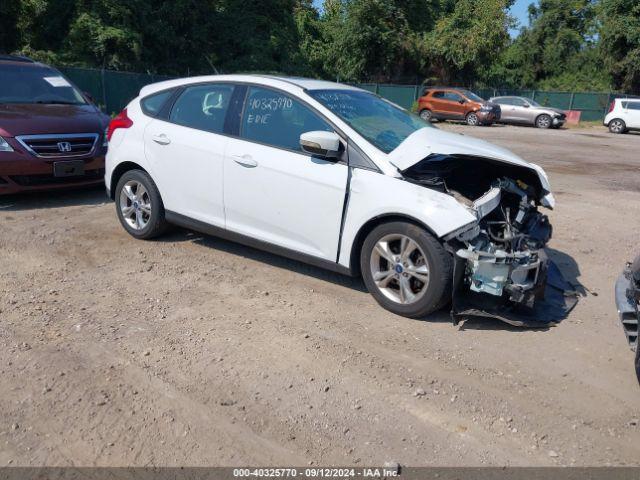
51 135
446 103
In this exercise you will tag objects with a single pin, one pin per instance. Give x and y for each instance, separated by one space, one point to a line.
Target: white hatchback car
337 177
624 115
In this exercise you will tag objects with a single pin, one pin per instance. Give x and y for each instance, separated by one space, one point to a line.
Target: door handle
162 139
245 160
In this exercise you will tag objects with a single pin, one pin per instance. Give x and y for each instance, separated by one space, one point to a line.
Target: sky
519 10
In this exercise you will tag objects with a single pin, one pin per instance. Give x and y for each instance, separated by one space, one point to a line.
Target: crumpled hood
427 141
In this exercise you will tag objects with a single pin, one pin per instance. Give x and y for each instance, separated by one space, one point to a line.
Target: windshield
472 96
383 124
29 84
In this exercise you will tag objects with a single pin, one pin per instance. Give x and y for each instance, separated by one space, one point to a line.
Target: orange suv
443 103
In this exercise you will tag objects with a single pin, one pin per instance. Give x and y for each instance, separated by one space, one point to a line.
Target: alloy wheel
544 121
472 119
616 126
425 115
135 204
399 268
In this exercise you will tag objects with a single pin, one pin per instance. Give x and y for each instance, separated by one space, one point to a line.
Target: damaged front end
501 268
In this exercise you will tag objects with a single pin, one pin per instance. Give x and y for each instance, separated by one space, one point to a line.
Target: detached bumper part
500 272
532 293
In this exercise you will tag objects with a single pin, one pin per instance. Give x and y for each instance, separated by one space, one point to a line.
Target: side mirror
89 97
462 101
321 144
526 105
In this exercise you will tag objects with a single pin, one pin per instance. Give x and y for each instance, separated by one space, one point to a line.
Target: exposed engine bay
501 268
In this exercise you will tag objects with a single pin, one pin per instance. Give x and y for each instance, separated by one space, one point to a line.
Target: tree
467 38
362 39
557 48
620 42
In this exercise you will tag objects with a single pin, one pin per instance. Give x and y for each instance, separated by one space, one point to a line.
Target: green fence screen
112 90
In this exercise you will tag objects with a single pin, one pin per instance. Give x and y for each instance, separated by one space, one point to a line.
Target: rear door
275 192
440 104
186 152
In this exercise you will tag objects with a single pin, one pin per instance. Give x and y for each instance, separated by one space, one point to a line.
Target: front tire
426 115
406 269
139 205
617 125
472 119
543 121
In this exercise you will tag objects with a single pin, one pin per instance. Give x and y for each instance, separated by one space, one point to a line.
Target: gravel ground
191 350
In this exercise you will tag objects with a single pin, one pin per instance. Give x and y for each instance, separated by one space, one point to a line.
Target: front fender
375 195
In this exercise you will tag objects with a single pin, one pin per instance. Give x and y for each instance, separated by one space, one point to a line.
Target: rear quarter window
152 104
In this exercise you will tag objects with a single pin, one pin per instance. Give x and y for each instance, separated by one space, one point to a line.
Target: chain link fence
112 90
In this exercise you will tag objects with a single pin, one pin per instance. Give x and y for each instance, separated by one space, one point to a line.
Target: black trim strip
197 225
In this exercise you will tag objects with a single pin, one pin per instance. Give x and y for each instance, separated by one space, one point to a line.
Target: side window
633 105
438 95
277 119
203 107
518 102
452 96
152 104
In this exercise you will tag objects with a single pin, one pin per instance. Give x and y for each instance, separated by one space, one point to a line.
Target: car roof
283 82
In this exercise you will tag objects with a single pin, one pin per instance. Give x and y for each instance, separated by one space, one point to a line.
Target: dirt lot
192 350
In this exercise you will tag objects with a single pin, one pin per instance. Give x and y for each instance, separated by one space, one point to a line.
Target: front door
186 152
275 192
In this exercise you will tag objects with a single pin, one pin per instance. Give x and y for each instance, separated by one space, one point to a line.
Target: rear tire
543 121
617 125
139 205
406 269
472 119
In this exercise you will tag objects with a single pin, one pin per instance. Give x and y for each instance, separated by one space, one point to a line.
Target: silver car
523 110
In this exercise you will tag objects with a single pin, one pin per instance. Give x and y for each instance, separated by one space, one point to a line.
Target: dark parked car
627 292
51 134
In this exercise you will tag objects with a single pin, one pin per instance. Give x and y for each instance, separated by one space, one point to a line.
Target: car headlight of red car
4 146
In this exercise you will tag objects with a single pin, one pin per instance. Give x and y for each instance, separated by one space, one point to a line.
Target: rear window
152 104
28 84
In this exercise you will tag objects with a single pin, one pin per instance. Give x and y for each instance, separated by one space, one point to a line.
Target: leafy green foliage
620 42
569 44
